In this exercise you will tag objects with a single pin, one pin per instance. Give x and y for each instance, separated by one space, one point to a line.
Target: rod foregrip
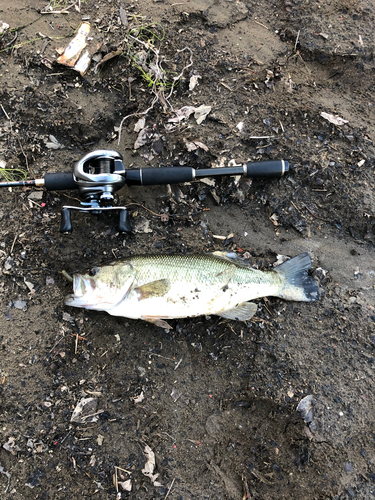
264 169
162 175
59 181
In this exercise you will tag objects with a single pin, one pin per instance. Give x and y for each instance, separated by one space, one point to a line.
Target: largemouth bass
159 287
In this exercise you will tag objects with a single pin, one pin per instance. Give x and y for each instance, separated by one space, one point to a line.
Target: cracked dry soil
219 397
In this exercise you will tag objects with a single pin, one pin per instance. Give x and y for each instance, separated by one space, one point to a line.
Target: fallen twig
176 78
64 11
5 113
14 242
297 39
263 25
178 364
298 210
314 215
169 490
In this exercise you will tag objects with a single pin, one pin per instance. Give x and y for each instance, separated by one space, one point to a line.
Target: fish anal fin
157 322
242 312
156 288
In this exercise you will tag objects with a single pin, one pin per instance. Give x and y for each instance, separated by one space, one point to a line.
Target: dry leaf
7 474
194 81
201 113
3 27
305 409
11 446
149 467
208 181
193 146
182 113
124 17
139 398
125 485
107 57
83 410
144 137
336 120
175 394
140 125
274 219
280 259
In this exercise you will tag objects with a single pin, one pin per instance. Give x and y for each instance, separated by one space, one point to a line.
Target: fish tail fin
297 285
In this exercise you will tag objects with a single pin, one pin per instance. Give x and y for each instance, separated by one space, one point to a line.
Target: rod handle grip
162 175
59 181
264 169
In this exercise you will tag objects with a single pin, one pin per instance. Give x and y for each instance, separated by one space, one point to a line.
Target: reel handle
124 225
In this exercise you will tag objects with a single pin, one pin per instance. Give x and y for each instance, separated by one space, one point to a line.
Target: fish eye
93 271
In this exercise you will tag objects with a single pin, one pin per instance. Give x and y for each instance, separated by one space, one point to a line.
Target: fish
156 288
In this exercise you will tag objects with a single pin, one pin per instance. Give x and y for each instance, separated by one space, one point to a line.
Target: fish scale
187 268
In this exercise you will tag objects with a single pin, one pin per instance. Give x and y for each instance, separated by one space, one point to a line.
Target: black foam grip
166 175
271 168
59 181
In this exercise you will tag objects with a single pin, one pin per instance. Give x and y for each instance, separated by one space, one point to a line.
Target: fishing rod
99 174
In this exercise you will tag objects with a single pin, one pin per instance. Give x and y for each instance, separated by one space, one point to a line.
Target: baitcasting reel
98 175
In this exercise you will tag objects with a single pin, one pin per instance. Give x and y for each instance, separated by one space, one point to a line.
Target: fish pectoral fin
157 322
227 274
242 312
156 288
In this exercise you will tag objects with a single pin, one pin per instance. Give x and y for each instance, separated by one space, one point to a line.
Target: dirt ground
215 400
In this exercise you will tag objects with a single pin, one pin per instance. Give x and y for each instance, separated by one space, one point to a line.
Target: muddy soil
215 400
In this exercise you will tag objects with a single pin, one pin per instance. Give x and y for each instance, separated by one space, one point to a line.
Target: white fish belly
186 300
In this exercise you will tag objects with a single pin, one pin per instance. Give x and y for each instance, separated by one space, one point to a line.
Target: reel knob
66 221
124 225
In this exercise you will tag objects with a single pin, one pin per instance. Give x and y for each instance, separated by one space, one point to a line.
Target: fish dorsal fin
231 257
156 288
242 312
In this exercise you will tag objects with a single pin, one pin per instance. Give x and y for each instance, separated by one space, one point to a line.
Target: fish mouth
90 293
82 289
